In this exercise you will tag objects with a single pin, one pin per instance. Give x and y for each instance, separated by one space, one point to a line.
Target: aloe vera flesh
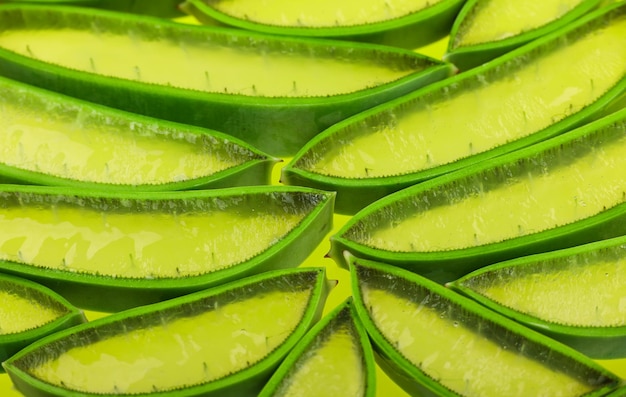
195 343
563 181
23 308
580 290
145 239
80 142
517 101
332 363
319 14
451 345
495 20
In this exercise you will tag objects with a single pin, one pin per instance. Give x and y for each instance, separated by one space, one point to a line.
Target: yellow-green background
385 388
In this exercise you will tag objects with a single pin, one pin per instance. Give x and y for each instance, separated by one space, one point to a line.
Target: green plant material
335 358
406 24
435 342
566 191
574 295
50 139
224 341
109 251
275 93
158 8
486 29
533 93
28 312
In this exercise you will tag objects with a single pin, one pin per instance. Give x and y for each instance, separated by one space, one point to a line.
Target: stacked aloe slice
150 245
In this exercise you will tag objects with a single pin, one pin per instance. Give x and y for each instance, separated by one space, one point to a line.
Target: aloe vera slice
486 29
401 23
566 191
435 342
273 92
110 251
573 295
28 312
222 341
334 358
50 139
160 8
531 94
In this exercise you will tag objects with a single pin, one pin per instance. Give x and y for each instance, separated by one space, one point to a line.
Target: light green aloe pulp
583 290
249 67
333 366
20 312
461 358
569 183
493 20
320 13
476 115
71 142
186 351
144 242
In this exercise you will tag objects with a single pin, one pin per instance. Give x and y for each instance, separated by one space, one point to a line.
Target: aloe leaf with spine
435 342
486 29
273 92
109 251
538 91
50 139
28 312
566 191
406 24
334 358
574 295
223 341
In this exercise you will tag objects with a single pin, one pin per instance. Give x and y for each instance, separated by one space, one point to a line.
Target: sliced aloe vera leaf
574 295
273 92
562 192
407 24
531 94
334 358
435 342
108 251
486 29
82 144
160 8
222 341
28 312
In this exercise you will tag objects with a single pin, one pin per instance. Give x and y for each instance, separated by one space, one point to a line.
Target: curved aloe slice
436 342
222 341
50 139
160 8
407 24
274 93
533 93
335 358
574 295
562 192
110 251
486 29
28 312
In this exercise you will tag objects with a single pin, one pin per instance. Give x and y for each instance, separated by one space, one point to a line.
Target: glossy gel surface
22 309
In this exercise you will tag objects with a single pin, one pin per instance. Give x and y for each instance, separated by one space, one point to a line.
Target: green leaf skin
267 92
527 96
583 310
57 313
563 192
81 144
467 56
110 251
435 342
178 334
158 8
332 331
409 31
